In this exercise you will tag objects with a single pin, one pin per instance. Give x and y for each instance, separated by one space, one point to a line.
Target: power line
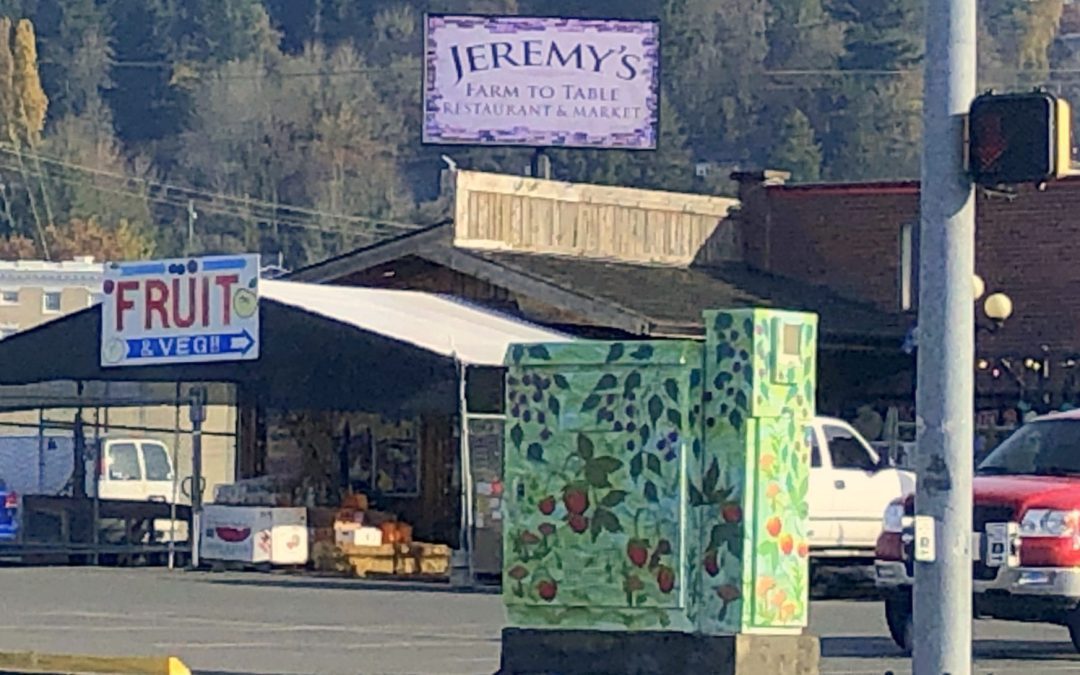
241 202
182 204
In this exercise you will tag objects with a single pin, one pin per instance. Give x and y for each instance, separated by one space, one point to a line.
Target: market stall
392 396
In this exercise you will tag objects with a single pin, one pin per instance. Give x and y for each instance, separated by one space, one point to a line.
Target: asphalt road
274 625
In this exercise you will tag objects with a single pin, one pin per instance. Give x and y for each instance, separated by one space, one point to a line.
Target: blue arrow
187 346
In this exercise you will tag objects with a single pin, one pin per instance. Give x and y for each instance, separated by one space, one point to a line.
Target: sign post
191 310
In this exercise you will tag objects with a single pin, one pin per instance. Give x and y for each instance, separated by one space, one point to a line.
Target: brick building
861 241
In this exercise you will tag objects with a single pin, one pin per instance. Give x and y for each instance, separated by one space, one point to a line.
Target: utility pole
945 391
192 216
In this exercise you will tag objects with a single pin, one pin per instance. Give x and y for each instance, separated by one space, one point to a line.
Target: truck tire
1072 622
898 615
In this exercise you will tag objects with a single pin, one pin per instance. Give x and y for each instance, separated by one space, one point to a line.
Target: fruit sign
191 310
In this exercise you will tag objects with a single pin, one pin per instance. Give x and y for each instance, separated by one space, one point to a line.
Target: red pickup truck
1026 547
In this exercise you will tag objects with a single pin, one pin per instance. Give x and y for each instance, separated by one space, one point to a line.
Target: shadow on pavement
348 585
859 647
1018 650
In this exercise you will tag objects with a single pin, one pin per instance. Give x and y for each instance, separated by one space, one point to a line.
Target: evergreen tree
795 148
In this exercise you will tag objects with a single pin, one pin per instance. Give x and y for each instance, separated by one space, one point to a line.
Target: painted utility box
661 485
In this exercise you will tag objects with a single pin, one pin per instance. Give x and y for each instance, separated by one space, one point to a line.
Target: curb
57 664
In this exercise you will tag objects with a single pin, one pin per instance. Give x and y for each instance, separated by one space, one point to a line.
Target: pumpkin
389 532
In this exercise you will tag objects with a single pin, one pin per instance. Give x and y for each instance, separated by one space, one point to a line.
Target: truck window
815 449
124 462
847 452
156 458
1046 448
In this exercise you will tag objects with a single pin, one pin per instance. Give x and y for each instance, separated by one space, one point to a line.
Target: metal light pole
198 416
945 391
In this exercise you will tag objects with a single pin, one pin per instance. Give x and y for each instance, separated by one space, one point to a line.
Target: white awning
436 323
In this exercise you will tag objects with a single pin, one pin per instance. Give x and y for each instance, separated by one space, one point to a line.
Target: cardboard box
359 536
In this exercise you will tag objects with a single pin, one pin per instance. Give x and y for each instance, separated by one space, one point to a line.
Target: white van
134 469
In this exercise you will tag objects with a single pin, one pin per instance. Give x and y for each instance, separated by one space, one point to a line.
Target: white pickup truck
850 488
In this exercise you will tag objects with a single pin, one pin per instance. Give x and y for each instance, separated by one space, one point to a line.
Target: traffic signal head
1019 138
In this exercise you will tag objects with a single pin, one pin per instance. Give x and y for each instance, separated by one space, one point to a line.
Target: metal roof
436 323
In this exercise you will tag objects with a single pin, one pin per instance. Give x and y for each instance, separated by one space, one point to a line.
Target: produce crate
398 560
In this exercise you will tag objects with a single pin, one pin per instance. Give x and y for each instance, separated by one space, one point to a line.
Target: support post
198 416
541 165
945 391
176 481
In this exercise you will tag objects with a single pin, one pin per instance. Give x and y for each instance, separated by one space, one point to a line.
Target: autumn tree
83 238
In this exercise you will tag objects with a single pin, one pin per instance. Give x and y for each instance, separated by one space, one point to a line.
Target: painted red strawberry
773 526
578 523
638 552
665 579
712 568
547 589
727 593
576 500
732 513
547 505
787 544
804 549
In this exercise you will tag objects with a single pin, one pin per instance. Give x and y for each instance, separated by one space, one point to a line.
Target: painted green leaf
808 392
708 485
653 463
633 381
656 408
696 499
554 406
591 402
791 375
741 400
584 447
803 508
517 435
561 381
607 463
675 418
594 528
615 353
598 469
637 465
607 520
516 352
539 352
650 492
642 353
735 543
606 382
596 477
535 453
724 321
671 388
748 326
736 419
613 498
695 378
644 432
697 447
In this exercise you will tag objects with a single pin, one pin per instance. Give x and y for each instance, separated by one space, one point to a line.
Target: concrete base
586 652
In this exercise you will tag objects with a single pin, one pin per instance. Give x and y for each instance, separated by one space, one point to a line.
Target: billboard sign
541 82
189 310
